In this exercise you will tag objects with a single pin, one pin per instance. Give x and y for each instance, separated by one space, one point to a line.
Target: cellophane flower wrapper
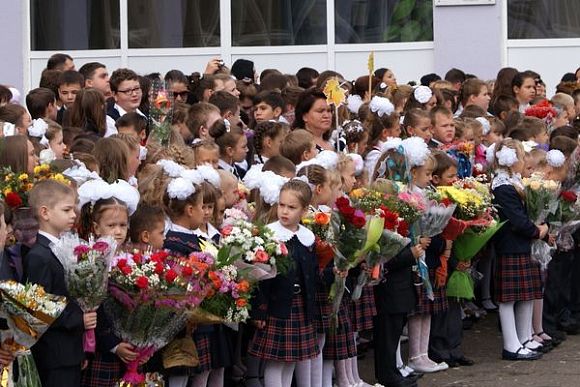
24 361
86 268
541 197
253 245
149 297
29 312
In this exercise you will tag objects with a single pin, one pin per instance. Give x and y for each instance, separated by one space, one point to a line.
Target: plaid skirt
424 304
321 319
363 310
102 371
340 344
517 278
203 348
289 339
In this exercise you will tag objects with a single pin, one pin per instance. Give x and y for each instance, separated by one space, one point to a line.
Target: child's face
542 138
395 131
422 129
448 177
68 93
467 135
264 112
155 237
230 192
133 162
311 153
444 128
128 95
240 151
221 209
422 176
207 156
195 214
57 145
114 222
526 92
348 177
208 209
482 99
492 137
32 158
290 210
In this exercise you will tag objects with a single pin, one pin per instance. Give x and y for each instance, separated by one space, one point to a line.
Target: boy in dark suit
59 352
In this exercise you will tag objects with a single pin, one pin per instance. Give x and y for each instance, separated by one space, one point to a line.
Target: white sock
303 373
523 313
507 319
399 358
340 373
273 373
327 368
178 381
317 363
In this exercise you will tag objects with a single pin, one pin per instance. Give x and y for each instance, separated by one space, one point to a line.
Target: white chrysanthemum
555 158
180 188
506 156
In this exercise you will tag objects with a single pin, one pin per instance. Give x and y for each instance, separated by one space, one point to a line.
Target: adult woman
17 152
314 115
386 76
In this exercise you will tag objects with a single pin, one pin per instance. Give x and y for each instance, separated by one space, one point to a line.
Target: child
229 188
133 157
380 128
268 135
207 229
200 117
54 136
285 306
41 103
298 146
206 152
356 136
69 84
443 127
112 154
233 146
421 165
524 89
106 217
268 105
517 278
133 123
58 354
147 226
503 105
475 92
417 122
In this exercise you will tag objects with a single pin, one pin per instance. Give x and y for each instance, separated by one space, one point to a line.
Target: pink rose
283 249
227 230
101 246
81 250
262 256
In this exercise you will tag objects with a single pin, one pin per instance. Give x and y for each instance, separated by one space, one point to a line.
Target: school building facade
411 37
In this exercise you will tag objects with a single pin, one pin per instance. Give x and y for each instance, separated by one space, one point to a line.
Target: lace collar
304 235
502 177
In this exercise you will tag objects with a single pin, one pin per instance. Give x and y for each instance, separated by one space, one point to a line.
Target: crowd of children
281 140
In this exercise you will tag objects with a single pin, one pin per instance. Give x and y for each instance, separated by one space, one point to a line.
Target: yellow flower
357 193
7 191
23 176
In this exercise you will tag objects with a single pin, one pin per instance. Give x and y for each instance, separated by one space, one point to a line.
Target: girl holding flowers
284 307
518 280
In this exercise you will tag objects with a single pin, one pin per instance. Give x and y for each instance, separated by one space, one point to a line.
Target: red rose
121 263
13 200
142 282
342 202
126 270
262 256
186 271
170 276
159 256
569 196
227 230
137 258
159 268
403 228
347 212
359 221
446 202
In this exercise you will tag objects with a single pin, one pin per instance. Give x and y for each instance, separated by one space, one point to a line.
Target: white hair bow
95 190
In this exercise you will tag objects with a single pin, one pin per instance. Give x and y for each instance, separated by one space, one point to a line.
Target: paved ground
559 368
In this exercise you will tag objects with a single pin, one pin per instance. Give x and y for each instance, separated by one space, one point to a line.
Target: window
173 23
74 24
543 19
278 23
382 21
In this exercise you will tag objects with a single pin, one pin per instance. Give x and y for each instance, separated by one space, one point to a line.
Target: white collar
177 228
48 236
304 235
225 166
211 232
122 111
503 178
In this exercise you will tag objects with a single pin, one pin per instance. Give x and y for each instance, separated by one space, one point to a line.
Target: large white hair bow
95 190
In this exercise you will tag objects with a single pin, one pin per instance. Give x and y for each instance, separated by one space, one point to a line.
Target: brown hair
225 136
295 144
112 154
179 115
473 111
471 87
316 174
14 153
197 116
564 144
38 100
412 118
13 113
88 112
89 160
268 129
225 101
131 140
144 219
444 162
92 214
181 154
121 75
375 126
439 110
48 193
303 191
279 165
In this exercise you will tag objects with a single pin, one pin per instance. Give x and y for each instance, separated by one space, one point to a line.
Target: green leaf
411 31
403 10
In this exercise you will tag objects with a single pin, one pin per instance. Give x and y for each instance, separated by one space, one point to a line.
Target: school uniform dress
58 354
517 277
287 303
235 169
183 241
363 310
395 298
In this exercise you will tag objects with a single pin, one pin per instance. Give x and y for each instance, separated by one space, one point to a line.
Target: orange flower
241 302
322 218
161 101
215 279
243 286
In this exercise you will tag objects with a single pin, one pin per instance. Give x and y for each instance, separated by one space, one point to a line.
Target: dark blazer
517 233
62 344
274 296
112 112
396 294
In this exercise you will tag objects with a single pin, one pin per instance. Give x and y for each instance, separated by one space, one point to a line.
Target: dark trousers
557 289
60 377
387 332
446 333
573 303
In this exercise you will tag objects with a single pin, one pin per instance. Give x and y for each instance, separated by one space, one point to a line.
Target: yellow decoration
334 93
371 62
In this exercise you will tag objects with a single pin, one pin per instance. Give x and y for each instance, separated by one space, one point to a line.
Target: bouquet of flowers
150 296
86 266
463 152
253 247
566 220
319 223
348 225
29 311
161 104
471 228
